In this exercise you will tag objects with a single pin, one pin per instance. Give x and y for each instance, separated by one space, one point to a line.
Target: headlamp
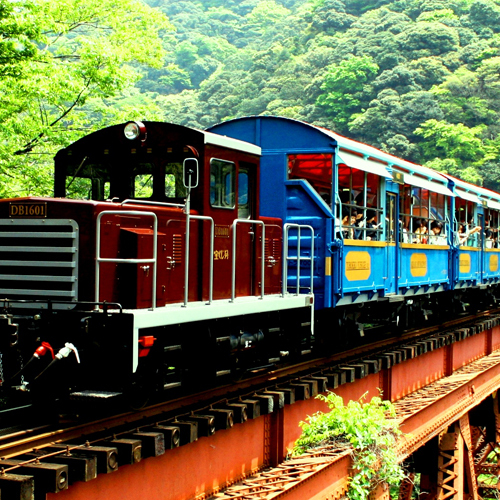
135 130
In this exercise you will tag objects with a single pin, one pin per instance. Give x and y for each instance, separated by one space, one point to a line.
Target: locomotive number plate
222 231
38 210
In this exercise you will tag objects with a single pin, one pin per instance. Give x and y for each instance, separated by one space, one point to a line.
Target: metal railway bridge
444 390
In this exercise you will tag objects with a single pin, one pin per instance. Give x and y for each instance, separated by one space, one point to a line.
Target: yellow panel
493 262
363 243
328 266
357 266
418 264
464 263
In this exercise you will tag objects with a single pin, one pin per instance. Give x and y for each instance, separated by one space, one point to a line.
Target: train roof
229 142
476 194
156 129
288 136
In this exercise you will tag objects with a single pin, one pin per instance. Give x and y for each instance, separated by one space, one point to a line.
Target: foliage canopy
408 76
62 64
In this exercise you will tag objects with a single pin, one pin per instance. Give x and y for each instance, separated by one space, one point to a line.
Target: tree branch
29 146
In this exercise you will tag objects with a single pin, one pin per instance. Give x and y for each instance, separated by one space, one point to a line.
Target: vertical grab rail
262 267
211 269
298 258
100 259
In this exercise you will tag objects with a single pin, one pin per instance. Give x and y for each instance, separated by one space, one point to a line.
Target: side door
391 237
248 234
231 206
482 253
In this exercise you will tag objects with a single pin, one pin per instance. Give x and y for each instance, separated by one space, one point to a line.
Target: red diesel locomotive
150 268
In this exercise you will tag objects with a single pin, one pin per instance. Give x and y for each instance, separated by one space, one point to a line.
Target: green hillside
417 78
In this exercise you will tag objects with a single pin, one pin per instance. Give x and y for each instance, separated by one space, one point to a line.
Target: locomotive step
83 395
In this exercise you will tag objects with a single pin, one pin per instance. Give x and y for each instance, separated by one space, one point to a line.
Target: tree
330 15
429 71
18 37
344 87
424 39
373 124
391 114
471 97
454 148
453 167
87 49
265 16
400 78
490 172
376 33
485 13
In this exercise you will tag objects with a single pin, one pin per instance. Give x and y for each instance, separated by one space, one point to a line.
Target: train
172 258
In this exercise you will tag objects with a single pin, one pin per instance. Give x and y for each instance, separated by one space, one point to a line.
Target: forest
417 78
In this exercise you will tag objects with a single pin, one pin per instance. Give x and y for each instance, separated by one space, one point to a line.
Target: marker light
135 130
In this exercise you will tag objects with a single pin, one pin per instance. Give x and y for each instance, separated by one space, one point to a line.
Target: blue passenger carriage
491 218
468 242
386 231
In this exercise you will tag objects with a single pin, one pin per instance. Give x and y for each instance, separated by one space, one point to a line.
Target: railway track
83 448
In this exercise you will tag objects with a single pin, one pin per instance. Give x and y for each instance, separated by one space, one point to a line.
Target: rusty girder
423 415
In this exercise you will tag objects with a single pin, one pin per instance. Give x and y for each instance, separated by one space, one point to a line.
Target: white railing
153 203
233 269
299 258
211 269
152 260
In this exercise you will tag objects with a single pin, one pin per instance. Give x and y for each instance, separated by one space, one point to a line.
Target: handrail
233 269
131 201
100 259
299 258
211 268
153 260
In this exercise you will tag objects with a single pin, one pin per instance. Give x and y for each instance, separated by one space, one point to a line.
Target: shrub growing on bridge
369 428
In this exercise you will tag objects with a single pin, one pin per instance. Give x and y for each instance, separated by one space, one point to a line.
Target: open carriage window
468 229
316 169
222 183
362 216
423 215
491 221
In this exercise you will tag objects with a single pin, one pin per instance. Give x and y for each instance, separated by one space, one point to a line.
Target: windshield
103 180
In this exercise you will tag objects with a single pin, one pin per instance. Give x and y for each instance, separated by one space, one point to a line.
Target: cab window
143 186
88 180
246 190
174 185
243 195
222 183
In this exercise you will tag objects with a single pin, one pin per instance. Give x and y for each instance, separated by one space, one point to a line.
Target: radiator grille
39 260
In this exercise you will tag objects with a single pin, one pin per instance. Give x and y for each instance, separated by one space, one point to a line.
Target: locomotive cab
116 165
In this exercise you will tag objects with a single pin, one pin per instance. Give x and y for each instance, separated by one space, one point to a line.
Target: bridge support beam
450 480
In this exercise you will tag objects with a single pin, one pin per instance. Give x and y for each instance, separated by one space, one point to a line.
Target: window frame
219 191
